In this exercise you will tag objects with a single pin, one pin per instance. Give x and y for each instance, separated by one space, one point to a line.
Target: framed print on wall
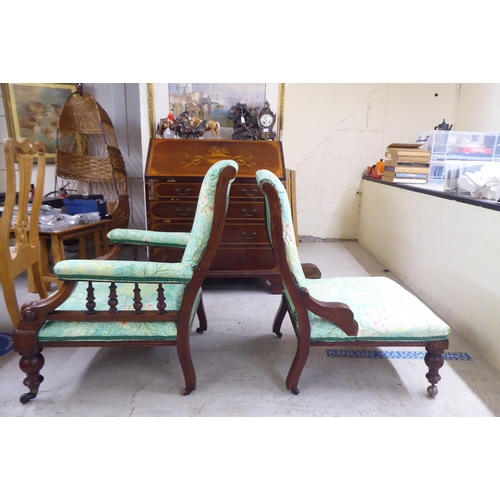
213 102
32 110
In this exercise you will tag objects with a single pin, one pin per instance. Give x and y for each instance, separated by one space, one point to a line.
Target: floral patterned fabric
109 331
292 253
156 238
204 216
126 273
123 271
384 310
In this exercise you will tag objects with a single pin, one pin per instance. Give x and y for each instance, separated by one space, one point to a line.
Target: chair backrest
280 227
23 223
205 216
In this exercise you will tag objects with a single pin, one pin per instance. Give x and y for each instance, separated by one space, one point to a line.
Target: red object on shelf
475 149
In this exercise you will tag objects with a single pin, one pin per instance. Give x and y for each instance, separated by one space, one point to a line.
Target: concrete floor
241 366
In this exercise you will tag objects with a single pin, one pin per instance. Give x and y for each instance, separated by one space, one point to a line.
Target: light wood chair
23 228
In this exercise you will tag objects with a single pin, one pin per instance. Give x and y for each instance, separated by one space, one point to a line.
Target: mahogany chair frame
34 314
338 313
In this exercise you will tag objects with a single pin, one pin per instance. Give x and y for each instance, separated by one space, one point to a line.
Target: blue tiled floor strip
348 353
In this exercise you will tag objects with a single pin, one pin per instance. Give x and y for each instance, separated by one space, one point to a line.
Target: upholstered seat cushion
112 331
383 309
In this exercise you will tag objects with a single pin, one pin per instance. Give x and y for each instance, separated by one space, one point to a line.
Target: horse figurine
185 127
163 124
212 126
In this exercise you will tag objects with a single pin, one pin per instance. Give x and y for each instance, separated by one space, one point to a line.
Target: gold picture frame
159 103
32 110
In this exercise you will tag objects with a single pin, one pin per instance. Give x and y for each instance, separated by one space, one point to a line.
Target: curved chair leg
280 316
31 364
434 360
185 359
202 317
298 363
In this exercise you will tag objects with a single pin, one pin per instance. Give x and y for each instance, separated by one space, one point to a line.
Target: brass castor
295 391
27 397
432 390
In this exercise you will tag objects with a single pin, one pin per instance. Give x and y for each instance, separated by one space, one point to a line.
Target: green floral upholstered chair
106 302
358 311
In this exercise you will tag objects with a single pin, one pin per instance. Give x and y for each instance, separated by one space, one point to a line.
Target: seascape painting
215 101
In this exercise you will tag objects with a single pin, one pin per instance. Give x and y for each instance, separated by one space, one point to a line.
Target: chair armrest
337 312
143 237
311 271
123 271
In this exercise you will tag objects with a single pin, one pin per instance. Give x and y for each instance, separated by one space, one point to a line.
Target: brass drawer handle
185 214
254 211
253 235
245 192
178 191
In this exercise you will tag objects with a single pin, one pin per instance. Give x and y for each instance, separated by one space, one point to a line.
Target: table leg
82 249
97 244
45 262
105 241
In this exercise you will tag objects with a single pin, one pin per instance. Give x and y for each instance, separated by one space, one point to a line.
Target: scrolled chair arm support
144 237
337 312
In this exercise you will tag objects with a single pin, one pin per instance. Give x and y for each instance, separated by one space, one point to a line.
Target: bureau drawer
226 259
243 259
172 209
246 190
175 190
233 233
246 210
170 227
245 234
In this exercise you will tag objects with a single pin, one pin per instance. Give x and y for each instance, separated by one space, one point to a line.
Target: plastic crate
83 204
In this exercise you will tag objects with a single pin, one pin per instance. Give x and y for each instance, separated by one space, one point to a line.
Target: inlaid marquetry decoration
216 154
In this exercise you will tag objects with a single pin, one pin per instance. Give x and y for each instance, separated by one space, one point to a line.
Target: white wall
445 251
479 108
332 132
122 103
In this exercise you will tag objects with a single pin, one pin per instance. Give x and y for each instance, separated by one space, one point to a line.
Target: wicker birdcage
88 160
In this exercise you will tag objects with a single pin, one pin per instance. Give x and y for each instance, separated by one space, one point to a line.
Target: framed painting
32 110
213 102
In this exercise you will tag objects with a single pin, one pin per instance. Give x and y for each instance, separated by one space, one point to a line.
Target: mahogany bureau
174 171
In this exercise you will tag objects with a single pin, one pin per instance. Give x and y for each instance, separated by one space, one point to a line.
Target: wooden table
54 240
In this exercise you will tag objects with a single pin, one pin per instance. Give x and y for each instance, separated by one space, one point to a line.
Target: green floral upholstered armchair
106 302
358 311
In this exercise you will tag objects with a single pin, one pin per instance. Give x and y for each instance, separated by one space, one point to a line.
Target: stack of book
406 163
